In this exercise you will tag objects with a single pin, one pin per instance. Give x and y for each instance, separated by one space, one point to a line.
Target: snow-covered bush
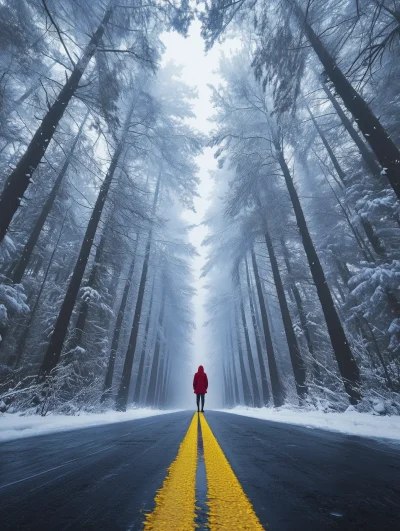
7 249
12 303
14 299
375 292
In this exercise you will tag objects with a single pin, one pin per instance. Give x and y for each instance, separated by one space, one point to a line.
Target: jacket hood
201 368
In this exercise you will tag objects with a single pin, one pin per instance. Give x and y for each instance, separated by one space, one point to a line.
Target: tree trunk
368 157
54 348
365 250
375 134
254 383
161 393
122 397
19 349
112 287
151 391
301 312
118 324
373 238
167 400
160 378
162 372
140 374
298 366
37 266
19 179
341 348
58 277
77 335
248 399
234 373
233 401
227 384
343 270
277 390
258 318
225 392
164 393
379 354
224 389
22 263
264 381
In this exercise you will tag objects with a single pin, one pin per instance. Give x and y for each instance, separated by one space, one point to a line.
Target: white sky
197 72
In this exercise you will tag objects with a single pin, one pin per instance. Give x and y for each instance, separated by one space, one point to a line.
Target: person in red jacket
200 384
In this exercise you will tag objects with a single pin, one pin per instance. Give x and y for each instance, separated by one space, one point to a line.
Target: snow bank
349 422
14 426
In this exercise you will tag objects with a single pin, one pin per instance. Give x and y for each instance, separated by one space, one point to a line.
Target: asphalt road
104 478
313 480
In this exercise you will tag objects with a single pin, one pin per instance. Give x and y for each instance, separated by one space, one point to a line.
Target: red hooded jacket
200 381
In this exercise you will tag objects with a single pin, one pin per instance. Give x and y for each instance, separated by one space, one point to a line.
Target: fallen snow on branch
15 426
350 422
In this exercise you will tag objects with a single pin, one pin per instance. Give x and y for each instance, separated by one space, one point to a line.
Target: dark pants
198 396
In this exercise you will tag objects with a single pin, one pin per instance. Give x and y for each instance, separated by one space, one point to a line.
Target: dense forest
98 164
303 268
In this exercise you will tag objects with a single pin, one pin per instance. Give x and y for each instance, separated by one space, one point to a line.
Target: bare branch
57 30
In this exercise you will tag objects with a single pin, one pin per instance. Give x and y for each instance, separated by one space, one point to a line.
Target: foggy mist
210 184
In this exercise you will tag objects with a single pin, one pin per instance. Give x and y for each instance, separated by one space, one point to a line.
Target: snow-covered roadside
14 426
349 422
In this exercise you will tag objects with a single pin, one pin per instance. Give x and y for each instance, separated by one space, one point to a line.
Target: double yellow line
228 506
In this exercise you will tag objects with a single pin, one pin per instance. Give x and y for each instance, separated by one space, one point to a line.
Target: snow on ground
14 426
349 422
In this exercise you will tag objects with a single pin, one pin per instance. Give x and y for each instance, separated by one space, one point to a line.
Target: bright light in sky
198 69
198 72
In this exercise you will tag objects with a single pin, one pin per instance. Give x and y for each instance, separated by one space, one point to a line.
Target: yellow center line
175 501
229 507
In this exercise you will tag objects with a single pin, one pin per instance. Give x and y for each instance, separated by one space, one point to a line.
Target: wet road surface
106 477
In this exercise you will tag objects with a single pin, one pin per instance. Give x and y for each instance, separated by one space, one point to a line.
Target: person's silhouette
200 384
